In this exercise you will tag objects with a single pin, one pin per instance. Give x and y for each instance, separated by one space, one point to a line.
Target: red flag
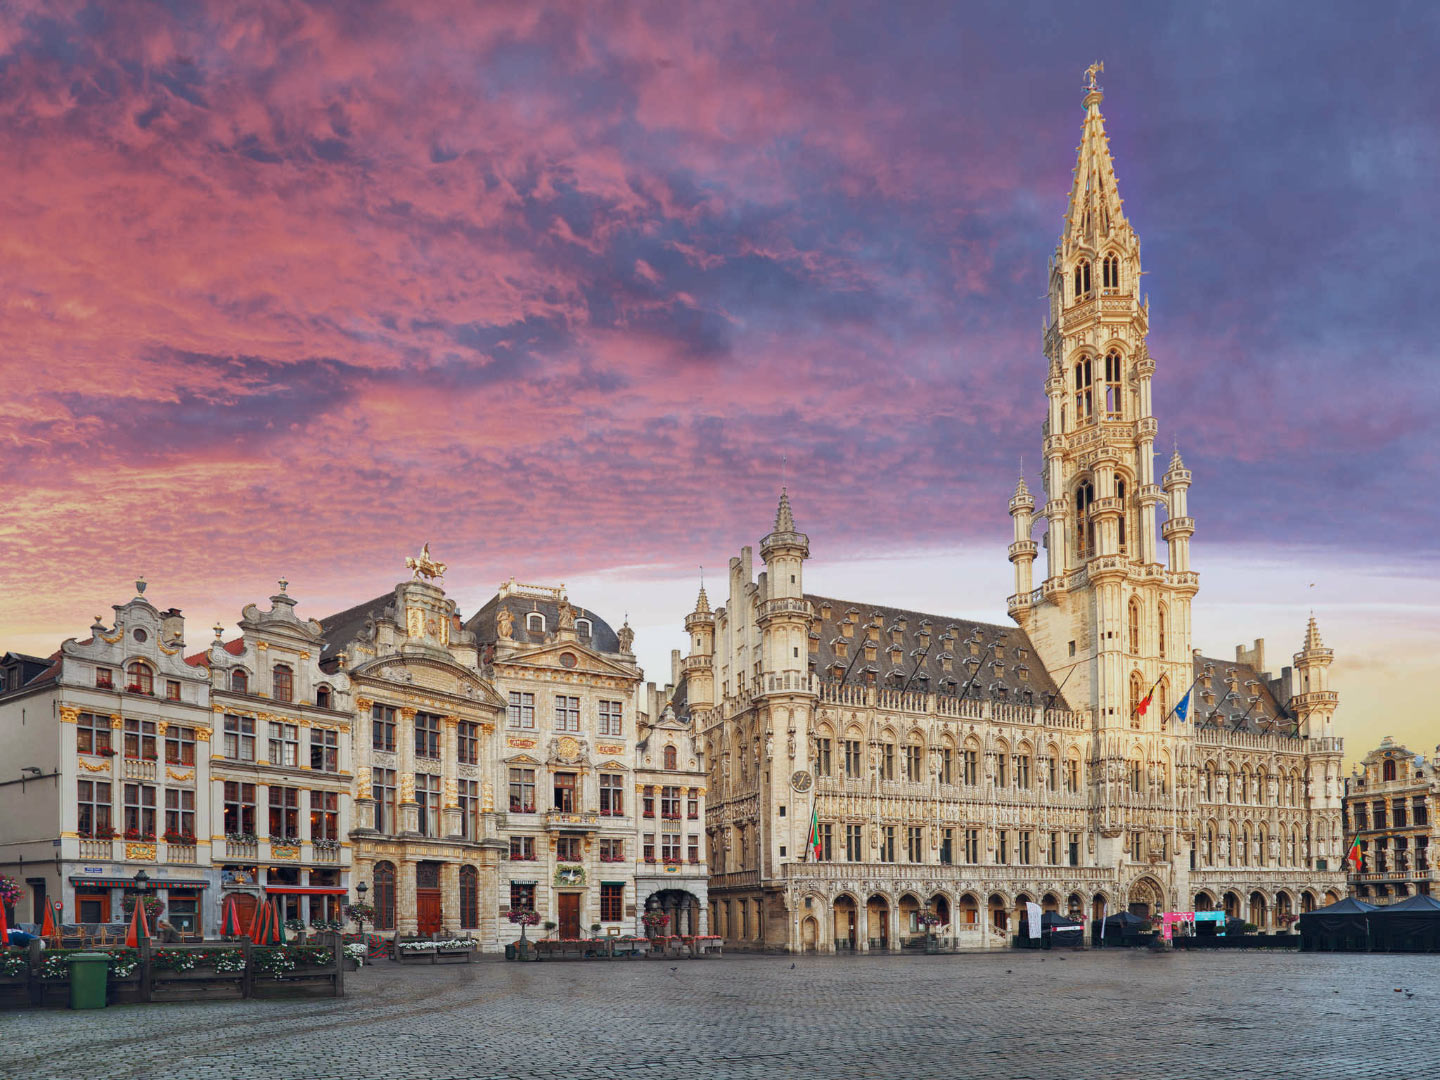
1140 709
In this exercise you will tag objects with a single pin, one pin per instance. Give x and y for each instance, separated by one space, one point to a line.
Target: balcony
783 605
97 849
325 854
242 849
572 820
139 769
180 853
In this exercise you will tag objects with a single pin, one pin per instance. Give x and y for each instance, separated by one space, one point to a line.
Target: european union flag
1182 708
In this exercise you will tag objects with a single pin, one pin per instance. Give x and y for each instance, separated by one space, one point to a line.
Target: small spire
784 519
1020 489
702 603
1176 464
1312 636
219 631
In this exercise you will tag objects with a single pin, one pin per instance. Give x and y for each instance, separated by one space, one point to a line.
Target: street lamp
142 879
361 890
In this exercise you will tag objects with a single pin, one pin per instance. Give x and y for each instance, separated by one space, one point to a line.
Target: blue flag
1182 707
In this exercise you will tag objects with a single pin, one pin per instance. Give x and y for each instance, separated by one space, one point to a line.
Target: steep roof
345 626
998 678
482 624
1260 721
1095 207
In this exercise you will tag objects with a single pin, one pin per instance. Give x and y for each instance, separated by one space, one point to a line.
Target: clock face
801 781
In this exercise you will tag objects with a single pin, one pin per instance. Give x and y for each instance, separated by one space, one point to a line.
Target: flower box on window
140 835
177 836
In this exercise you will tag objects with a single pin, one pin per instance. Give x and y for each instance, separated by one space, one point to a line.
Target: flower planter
414 956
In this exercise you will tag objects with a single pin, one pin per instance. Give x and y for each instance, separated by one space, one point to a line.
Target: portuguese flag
813 843
1354 854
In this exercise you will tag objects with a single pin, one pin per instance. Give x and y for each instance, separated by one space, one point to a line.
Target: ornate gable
569 657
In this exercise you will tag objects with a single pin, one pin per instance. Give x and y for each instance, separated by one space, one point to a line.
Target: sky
292 288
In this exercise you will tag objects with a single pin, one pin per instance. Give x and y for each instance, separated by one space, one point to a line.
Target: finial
1090 72
219 631
784 519
140 585
424 566
283 585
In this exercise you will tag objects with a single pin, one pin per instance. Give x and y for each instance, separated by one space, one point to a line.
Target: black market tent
1411 925
1344 926
1062 931
1121 928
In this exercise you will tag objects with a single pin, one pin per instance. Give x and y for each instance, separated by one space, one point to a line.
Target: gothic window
1110 272
1162 627
1084 524
1135 692
1112 385
1134 626
1084 399
1082 278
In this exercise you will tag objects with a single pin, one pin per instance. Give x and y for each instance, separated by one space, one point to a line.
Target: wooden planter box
414 956
454 956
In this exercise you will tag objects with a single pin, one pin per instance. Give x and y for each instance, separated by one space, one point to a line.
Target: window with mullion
467 741
468 794
915 843
427 798
180 746
239 808
140 739
854 843
324 750
521 711
140 811
612 901
240 738
567 713
670 803
382 727
284 813
565 795
612 794
522 791
612 720
383 789
427 735
324 815
179 815
522 848
92 733
284 745
94 807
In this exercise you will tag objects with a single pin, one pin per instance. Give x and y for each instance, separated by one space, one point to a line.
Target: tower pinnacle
1095 204
784 520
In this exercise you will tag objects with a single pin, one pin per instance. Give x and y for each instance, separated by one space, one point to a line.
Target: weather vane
1090 73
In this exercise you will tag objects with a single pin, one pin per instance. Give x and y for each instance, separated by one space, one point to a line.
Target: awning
129 883
296 890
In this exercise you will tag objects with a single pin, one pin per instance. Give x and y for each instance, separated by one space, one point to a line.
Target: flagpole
1134 711
1181 698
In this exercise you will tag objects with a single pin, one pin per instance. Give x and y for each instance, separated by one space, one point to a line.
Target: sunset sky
289 289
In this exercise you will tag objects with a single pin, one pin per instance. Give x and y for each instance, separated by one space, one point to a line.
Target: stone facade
969 768
281 767
1392 803
425 720
118 732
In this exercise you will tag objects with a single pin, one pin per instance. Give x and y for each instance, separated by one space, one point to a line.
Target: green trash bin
89 972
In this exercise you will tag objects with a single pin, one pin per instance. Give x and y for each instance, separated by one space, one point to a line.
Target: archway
1284 908
809 934
1074 905
999 917
1204 902
1050 902
1259 910
1147 899
1100 908
877 922
940 904
846 922
681 906
1307 901
909 909
1331 897
969 910
1232 905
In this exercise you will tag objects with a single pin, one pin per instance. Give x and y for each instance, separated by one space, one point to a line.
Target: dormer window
582 629
139 679
842 648
535 623
239 681
322 697
670 756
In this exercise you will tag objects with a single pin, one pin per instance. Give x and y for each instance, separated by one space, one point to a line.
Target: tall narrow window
179 816
612 794
384 892
522 791
1112 385
1120 495
469 898
139 812
284 745
1134 626
382 727
468 797
1110 272
567 713
612 718
1084 523
670 758
467 742
282 683
324 750
383 786
324 815
565 792
94 801
427 735
284 814
521 713
1162 626
1082 278
1084 393
239 808
427 798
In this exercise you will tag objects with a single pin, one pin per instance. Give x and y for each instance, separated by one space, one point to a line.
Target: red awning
129 883
296 890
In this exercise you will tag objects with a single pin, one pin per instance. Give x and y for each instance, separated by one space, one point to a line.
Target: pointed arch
1133 626
1113 399
1137 688
1084 389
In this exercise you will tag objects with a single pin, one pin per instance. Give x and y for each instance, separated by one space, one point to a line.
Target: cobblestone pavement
1014 1015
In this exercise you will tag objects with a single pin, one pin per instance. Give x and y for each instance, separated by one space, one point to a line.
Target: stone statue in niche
566 615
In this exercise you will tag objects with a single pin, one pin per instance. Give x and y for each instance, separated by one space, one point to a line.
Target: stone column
408 811
450 823
449 896
405 914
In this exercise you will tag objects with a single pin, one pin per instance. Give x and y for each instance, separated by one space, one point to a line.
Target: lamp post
360 891
142 879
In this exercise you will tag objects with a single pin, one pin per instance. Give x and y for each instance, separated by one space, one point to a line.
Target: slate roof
922 669
1267 708
345 626
482 624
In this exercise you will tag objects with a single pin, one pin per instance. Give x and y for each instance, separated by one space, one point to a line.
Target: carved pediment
581 659
522 759
432 673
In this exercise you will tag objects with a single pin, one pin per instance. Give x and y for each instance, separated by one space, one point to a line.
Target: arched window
670 758
1110 272
1084 524
535 623
139 678
1388 771
384 896
239 681
469 898
1084 397
322 697
1162 626
282 683
583 630
1134 626
1112 385
1136 689
1162 698
1082 278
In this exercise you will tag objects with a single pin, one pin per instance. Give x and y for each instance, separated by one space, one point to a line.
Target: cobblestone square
1004 1014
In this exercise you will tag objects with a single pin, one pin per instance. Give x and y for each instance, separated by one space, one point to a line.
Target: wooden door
427 910
570 915
245 909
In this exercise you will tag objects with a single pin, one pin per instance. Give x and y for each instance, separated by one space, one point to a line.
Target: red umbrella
230 922
139 925
4 927
47 928
254 932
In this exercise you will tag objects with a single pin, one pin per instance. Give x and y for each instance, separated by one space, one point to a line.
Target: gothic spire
1312 637
784 520
1095 204
702 604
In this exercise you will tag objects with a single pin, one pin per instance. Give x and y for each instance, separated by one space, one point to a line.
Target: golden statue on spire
424 566
1090 73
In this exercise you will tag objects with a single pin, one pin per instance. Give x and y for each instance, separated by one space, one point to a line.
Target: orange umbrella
47 928
254 932
4 927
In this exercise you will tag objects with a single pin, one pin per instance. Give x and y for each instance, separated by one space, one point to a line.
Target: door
93 907
427 910
569 915
245 909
